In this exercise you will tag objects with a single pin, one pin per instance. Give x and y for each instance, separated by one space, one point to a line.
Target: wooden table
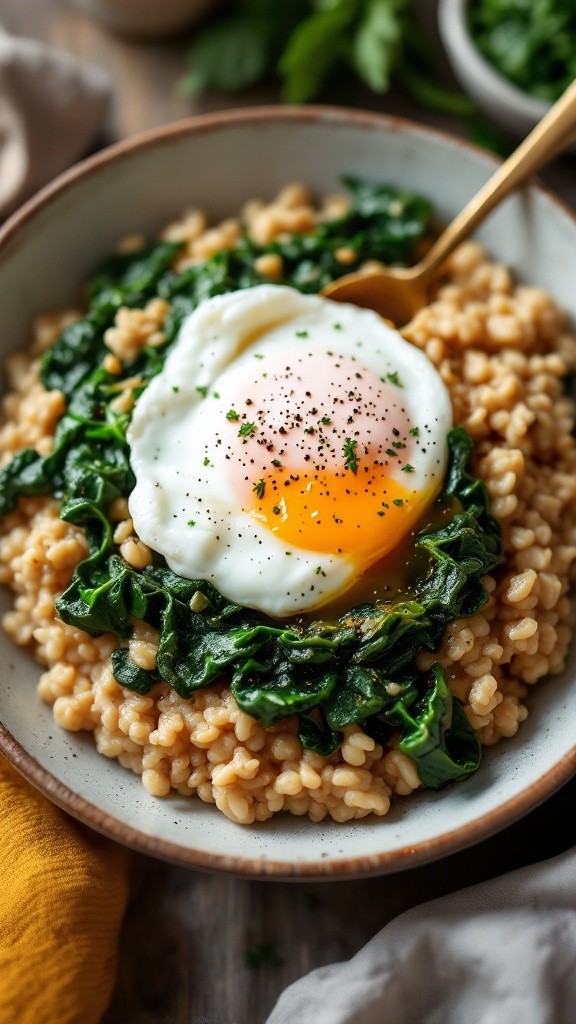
186 935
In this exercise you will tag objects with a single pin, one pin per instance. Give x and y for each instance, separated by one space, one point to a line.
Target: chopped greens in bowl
531 42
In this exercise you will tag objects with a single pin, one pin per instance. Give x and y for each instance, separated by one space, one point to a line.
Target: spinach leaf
437 735
127 279
315 734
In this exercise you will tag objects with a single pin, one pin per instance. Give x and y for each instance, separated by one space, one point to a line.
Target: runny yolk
337 514
320 451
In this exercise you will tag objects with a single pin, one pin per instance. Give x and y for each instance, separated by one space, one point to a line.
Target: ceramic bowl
146 18
497 97
49 248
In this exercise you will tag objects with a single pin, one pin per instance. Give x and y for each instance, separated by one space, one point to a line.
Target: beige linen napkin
503 952
51 108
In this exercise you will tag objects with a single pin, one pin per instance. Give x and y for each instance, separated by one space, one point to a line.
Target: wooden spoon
399 292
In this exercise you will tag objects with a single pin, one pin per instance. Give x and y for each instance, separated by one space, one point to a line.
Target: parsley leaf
349 451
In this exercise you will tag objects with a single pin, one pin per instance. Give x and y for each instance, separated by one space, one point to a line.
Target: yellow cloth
63 891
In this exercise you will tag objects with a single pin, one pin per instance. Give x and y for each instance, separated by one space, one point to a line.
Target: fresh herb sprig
304 42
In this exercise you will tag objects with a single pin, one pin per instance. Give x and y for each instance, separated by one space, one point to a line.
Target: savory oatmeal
502 352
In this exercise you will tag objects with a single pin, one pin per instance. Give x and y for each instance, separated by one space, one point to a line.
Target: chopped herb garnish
398 444
247 429
277 463
276 510
258 355
407 468
397 501
175 389
318 570
337 327
215 394
395 432
326 421
202 391
301 334
379 513
259 488
394 379
206 461
414 431
190 523
390 451
308 430
232 415
349 450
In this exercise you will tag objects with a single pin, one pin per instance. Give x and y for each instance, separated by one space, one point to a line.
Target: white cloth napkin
502 952
51 108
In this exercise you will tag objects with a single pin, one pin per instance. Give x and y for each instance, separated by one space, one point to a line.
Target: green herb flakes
349 451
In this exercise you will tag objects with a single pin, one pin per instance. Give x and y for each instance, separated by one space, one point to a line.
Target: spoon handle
544 142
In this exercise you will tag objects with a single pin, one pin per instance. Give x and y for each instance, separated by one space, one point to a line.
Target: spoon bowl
397 293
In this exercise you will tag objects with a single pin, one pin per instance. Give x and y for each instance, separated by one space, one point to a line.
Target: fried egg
289 443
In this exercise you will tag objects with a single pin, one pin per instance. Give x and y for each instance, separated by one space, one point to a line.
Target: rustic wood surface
186 935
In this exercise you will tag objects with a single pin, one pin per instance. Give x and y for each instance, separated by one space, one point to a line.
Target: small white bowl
498 98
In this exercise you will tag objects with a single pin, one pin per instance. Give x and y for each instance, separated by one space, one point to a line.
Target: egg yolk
321 451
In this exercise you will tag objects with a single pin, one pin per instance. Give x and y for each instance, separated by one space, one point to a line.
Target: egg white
187 510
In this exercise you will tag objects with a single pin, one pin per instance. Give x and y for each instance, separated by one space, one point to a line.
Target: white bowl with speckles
50 247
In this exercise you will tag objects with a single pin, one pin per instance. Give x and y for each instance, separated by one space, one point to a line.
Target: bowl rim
462 50
87 812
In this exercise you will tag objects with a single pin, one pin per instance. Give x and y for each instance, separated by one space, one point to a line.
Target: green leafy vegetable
307 41
357 669
437 736
315 47
241 47
531 42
